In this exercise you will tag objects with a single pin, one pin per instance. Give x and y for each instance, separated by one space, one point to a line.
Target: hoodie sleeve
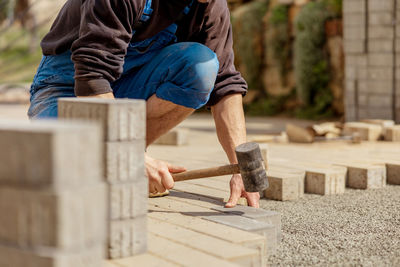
98 54
217 32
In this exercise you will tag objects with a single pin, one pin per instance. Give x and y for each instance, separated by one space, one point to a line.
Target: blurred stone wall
372 50
264 38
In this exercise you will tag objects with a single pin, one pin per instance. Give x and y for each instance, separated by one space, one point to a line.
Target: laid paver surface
359 227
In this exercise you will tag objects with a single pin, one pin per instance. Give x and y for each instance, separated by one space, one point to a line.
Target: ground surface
357 228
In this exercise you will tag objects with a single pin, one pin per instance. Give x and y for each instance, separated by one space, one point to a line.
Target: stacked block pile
123 123
371 41
52 195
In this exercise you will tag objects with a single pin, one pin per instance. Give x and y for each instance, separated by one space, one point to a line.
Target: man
175 54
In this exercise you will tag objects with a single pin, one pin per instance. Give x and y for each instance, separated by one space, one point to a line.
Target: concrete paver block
284 186
125 161
353 6
366 177
128 201
175 137
219 248
379 5
147 260
367 132
354 33
261 215
121 119
325 182
23 257
393 173
127 237
265 229
230 234
166 249
50 154
66 220
392 133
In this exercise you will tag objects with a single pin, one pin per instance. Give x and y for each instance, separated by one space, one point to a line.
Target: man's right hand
159 174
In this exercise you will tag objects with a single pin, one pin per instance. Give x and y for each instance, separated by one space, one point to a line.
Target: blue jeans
182 73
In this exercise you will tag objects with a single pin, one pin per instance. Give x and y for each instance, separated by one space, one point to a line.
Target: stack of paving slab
52 195
371 44
123 124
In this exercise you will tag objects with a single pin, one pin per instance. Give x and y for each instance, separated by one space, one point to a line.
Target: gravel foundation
358 228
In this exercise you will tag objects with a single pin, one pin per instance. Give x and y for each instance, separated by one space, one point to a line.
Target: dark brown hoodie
98 33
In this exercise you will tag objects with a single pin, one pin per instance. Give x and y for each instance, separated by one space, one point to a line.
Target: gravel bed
358 228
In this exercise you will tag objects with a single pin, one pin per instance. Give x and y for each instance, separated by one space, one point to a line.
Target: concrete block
380 59
367 132
392 133
66 220
166 249
385 112
350 113
380 45
265 229
380 73
375 87
261 215
353 6
325 182
350 85
379 101
397 45
125 161
213 246
44 257
121 119
381 32
393 173
384 18
380 5
127 237
50 154
354 33
366 177
175 137
354 19
356 60
362 100
382 123
284 186
128 201
354 46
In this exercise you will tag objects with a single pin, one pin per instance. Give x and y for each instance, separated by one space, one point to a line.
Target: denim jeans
183 73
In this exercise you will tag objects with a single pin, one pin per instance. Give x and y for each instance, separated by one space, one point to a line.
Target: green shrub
247 24
311 59
278 39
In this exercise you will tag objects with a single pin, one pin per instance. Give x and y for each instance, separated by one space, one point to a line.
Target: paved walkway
358 227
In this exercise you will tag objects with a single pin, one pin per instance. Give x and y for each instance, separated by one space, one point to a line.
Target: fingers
253 199
160 178
236 192
175 169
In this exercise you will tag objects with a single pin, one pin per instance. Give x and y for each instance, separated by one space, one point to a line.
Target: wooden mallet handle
204 173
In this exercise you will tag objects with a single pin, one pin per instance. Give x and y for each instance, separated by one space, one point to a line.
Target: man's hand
106 96
159 174
237 191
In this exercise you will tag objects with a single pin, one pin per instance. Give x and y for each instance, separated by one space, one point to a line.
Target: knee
201 65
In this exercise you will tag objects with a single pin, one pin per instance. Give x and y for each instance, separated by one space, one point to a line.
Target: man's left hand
237 191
